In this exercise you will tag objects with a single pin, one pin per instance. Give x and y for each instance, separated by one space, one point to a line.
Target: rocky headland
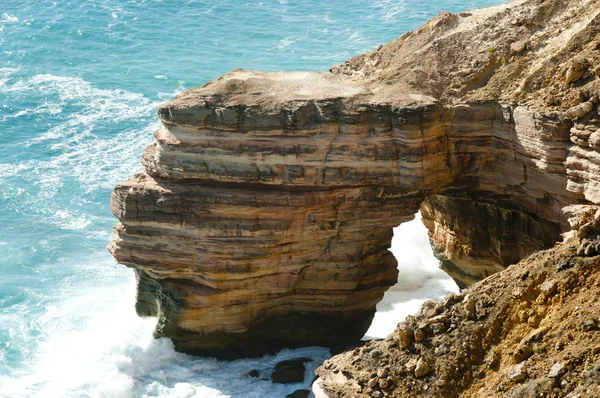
265 209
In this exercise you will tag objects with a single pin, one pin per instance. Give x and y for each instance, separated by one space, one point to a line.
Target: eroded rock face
265 210
248 270
527 331
477 236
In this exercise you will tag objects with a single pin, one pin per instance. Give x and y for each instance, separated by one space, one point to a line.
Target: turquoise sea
79 82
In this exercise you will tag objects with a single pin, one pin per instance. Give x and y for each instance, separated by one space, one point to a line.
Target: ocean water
79 81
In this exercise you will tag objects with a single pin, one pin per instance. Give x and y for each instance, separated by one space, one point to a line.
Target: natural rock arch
255 229
266 207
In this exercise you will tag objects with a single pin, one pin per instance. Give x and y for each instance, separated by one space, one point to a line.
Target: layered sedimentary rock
479 235
265 210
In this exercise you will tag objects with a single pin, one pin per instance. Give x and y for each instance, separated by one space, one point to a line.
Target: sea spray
419 279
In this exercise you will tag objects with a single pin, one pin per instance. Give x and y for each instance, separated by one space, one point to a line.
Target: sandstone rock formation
265 210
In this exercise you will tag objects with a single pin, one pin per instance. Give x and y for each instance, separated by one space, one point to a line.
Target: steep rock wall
265 210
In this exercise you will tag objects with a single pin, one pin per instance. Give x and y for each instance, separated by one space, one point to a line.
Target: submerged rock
299 394
290 371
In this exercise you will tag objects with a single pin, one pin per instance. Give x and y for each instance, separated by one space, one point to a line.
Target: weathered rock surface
265 210
497 352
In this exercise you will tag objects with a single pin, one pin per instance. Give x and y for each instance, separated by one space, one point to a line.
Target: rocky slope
265 210
532 330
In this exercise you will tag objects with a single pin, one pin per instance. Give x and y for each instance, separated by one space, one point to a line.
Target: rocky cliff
265 210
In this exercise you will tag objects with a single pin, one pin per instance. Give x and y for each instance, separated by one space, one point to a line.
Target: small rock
465 72
575 71
536 335
579 110
590 250
438 328
419 335
586 229
383 383
372 383
550 99
534 320
449 301
557 370
299 394
428 309
523 352
441 350
517 47
589 324
493 359
390 381
558 346
253 373
422 369
410 365
375 353
534 388
442 318
383 372
376 394
594 374
469 307
405 337
517 373
291 371
594 140
548 287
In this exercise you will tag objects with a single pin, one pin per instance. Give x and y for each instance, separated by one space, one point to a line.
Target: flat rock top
520 52
271 90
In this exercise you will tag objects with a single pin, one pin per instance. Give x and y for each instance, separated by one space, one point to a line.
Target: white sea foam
419 279
94 345
67 220
83 150
285 42
8 18
8 169
390 9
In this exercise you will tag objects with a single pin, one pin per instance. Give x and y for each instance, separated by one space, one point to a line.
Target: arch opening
420 278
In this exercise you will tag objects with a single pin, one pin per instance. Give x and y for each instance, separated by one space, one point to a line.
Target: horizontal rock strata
475 235
266 206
